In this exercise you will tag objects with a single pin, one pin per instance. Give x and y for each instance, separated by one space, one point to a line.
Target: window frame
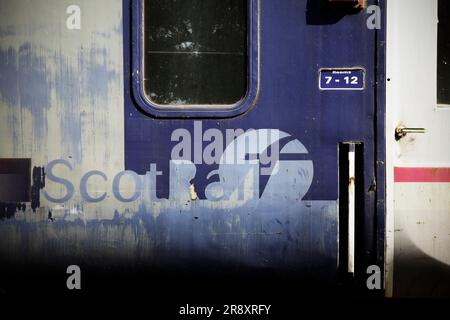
196 111
438 103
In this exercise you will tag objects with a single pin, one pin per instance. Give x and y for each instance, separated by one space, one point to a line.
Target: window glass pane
195 51
443 71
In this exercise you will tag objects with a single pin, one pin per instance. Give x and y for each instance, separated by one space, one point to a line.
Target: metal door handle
401 131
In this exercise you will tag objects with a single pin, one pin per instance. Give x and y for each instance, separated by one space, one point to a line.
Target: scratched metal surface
65 94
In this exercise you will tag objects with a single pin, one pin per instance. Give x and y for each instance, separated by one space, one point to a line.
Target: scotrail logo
242 166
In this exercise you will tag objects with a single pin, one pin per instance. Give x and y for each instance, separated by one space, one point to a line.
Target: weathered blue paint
297 40
256 238
67 87
281 227
98 75
24 83
91 79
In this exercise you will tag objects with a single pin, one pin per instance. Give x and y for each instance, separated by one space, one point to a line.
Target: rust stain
194 195
351 181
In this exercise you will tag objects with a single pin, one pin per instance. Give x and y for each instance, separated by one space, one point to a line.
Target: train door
195 138
418 147
297 81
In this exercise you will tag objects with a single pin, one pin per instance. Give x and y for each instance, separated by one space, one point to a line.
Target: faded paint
62 97
61 79
61 91
66 102
269 239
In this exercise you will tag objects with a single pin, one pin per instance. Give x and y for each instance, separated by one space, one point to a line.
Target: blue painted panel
296 42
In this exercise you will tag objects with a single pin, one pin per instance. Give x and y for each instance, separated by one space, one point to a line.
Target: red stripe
422 174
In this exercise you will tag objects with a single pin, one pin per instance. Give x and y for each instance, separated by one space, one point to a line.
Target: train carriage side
231 137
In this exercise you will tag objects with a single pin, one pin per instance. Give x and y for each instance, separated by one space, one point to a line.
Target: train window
195 52
443 66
